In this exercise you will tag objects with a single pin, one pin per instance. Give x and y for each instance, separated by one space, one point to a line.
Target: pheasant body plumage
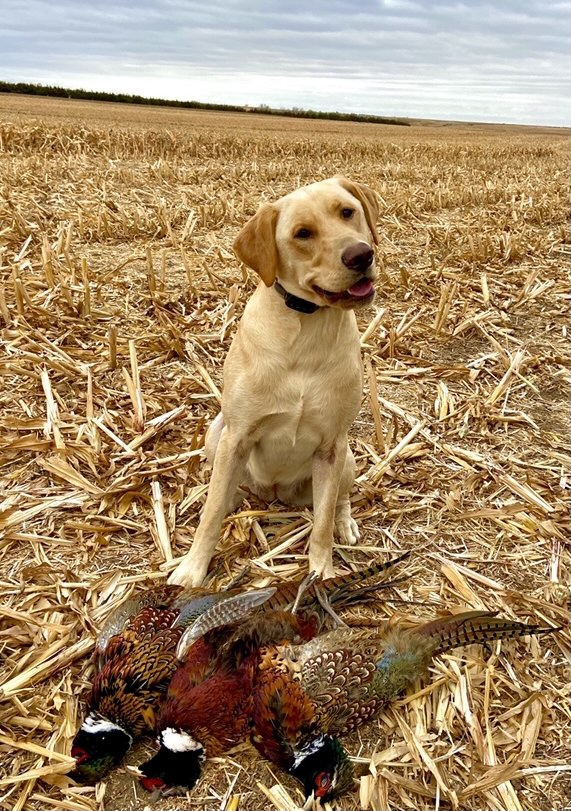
313 692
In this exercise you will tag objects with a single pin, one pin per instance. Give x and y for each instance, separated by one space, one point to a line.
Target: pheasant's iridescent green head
98 747
324 768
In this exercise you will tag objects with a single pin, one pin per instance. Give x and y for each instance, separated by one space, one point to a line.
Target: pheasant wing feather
126 690
337 672
119 620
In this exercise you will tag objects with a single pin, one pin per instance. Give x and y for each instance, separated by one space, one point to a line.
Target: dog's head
318 241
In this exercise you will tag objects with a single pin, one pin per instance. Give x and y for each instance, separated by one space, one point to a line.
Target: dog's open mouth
360 292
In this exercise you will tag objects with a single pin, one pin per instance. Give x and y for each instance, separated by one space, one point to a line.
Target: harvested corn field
119 296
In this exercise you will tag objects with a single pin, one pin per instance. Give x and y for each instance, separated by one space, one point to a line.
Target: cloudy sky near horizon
500 61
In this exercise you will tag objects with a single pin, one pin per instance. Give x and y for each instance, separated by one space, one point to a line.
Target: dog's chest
300 417
311 408
300 382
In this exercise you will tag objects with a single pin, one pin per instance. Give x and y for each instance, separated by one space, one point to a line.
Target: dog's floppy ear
255 245
367 199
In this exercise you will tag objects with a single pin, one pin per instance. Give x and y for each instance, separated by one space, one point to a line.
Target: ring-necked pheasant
306 695
137 655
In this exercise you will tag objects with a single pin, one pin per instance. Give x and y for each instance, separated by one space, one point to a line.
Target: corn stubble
119 296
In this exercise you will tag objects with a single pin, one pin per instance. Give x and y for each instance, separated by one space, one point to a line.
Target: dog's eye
302 233
347 213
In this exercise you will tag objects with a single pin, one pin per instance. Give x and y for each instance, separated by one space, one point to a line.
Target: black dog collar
295 302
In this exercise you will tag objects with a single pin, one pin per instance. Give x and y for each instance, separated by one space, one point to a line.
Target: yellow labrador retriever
292 377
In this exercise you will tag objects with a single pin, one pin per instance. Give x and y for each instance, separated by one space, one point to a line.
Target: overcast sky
504 61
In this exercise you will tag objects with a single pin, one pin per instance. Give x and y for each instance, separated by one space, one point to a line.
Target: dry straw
119 295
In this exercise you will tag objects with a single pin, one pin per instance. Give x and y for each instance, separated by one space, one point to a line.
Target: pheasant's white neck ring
175 740
309 749
96 724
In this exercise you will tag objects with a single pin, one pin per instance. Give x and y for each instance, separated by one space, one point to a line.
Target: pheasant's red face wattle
322 784
80 755
152 783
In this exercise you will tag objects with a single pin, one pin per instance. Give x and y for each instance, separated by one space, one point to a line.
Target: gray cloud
486 61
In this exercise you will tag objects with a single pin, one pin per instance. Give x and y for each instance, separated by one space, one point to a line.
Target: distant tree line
126 98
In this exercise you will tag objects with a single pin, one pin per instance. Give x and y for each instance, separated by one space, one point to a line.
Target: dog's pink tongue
363 288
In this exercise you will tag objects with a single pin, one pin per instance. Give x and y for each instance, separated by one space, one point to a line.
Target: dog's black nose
358 256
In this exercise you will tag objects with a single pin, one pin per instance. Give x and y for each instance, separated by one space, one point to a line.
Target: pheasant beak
309 804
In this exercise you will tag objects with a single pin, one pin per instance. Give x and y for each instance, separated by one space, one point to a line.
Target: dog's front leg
229 462
326 471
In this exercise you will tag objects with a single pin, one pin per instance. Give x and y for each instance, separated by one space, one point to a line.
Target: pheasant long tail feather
342 590
349 588
346 597
475 626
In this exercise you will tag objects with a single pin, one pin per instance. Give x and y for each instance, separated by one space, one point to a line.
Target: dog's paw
322 566
324 572
187 574
347 530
